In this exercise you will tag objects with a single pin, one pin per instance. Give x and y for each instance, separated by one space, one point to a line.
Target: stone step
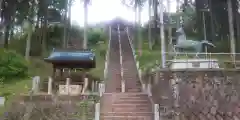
131 105
125 102
126 118
107 107
134 90
131 101
126 114
132 109
143 97
126 94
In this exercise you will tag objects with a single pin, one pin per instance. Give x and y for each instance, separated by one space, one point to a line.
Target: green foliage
12 65
95 36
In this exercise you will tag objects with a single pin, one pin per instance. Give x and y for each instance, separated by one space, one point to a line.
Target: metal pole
163 49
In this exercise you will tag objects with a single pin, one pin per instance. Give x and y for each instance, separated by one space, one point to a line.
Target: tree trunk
135 38
11 33
69 21
238 31
85 40
162 36
170 44
65 25
1 1
45 29
178 11
155 11
6 36
231 29
212 23
28 44
149 25
139 32
41 31
44 37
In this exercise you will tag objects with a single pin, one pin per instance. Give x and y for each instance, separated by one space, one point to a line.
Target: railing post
85 85
96 86
68 85
101 88
156 77
2 101
93 86
156 112
137 64
50 85
149 88
123 85
97 111
140 78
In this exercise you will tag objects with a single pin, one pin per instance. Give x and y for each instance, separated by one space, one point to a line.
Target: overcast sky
107 10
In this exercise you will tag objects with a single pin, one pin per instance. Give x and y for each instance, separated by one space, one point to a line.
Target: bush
96 35
12 65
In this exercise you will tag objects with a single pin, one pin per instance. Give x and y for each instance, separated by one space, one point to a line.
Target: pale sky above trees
103 11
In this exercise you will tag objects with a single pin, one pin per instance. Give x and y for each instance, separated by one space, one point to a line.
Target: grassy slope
149 57
100 51
14 89
40 68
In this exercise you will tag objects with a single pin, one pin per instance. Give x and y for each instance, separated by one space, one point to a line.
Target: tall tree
155 24
150 24
65 25
8 14
137 6
85 40
231 29
29 27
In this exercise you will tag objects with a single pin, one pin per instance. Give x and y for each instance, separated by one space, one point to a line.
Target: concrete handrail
106 63
148 89
107 56
130 41
121 61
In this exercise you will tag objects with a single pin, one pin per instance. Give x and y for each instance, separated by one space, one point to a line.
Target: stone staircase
113 82
125 106
131 104
130 73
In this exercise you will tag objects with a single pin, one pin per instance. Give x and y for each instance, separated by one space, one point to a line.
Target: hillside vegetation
16 72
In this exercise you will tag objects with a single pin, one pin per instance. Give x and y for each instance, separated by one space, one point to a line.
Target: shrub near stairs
12 65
